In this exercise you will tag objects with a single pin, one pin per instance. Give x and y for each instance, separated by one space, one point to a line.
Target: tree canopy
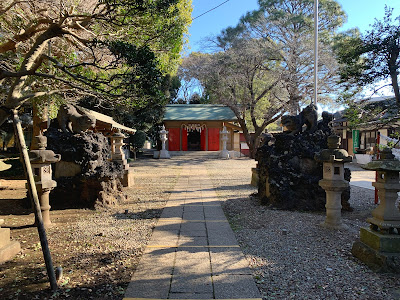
241 78
116 51
263 67
373 57
289 24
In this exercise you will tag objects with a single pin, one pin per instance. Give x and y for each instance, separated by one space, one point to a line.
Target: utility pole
315 50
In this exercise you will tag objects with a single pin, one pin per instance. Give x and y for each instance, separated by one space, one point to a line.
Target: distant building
361 142
196 127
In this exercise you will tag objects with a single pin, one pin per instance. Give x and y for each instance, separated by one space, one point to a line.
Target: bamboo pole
34 198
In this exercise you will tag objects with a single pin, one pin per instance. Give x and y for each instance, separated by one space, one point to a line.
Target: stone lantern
224 137
379 245
117 141
163 137
118 155
41 161
333 182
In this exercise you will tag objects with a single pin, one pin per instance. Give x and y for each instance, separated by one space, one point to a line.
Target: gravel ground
118 236
309 262
127 227
98 250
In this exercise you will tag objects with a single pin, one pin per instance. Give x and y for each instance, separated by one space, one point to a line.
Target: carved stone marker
224 138
379 245
41 161
163 137
8 249
333 181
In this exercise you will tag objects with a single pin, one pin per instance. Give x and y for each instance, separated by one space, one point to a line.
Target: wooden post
180 139
378 140
19 135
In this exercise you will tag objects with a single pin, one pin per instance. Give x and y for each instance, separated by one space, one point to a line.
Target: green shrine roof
198 112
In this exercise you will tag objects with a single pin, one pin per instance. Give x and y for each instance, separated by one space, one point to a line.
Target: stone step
9 251
4 236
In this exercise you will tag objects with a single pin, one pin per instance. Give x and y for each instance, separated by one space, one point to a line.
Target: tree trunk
36 127
395 84
250 142
392 64
253 152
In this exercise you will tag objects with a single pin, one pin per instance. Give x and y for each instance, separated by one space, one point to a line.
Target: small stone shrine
333 182
379 245
41 161
288 174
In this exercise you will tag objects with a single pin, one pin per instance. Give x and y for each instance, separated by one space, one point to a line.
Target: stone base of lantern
333 189
164 154
380 242
380 252
128 178
224 154
117 156
8 249
43 190
254 177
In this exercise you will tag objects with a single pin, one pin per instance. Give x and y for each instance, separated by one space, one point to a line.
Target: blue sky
361 13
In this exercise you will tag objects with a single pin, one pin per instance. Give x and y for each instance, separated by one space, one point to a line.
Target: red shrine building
197 127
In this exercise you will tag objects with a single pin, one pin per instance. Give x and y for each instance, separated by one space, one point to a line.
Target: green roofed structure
196 127
199 112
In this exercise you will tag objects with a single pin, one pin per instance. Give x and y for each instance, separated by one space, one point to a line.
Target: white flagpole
315 50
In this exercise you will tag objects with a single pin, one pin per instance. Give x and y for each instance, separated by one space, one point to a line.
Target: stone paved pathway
360 177
193 253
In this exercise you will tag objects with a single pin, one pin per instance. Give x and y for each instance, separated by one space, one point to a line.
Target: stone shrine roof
198 112
105 122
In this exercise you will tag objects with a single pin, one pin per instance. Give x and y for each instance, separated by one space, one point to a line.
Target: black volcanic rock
289 175
98 183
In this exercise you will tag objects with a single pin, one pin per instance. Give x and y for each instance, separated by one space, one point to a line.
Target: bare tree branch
12 4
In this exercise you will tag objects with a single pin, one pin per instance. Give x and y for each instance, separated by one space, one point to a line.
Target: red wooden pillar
213 139
184 139
174 139
203 141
